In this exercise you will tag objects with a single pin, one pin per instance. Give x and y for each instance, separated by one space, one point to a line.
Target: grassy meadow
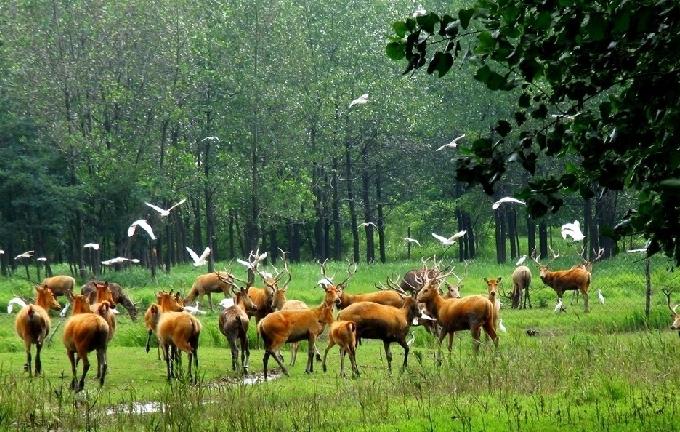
608 370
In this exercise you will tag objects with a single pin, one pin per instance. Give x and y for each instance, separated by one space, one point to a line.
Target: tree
596 80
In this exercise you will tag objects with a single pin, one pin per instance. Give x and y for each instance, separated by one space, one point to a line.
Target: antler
285 269
351 271
598 255
391 285
534 257
554 254
668 293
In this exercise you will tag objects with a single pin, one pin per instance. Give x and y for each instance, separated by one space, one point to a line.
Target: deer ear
486 280
499 279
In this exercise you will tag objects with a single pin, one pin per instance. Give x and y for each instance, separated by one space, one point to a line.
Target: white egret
507 200
199 260
453 144
144 225
162 212
450 240
360 100
412 240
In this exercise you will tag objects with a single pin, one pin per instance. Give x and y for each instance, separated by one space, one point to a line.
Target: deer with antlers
263 299
472 313
233 322
675 316
383 322
576 278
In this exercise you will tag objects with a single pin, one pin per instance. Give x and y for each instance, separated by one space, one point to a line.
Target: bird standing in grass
559 306
600 297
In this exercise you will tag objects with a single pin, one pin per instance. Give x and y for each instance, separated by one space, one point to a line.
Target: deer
119 296
383 322
281 327
32 324
472 313
386 297
492 289
209 283
60 285
233 322
521 279
343 334
84 333
675 316
263 298
576 278
103 294
587 265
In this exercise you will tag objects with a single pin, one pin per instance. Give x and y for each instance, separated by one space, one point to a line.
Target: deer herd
422 297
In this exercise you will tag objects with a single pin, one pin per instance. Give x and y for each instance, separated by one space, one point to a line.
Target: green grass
608 370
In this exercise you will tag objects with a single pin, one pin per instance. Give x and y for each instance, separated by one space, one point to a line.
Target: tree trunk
350 196
337 226
500 232
531 235
231 234
588 229
605 213
543 239
198 241
381 216
368 210
512 232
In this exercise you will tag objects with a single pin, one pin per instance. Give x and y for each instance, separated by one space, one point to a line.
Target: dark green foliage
600 81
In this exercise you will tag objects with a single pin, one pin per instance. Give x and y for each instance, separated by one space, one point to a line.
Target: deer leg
101 365
342 362
310 353
490 331
293 353
317 353
476 331
72 358
245 352
168 360
388 356
210 301
404 345
86 367
234 351
38 364
442 335
331 344
280 362
585 300
352 358
265 360
27 365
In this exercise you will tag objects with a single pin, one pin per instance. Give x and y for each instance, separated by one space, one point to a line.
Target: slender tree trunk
368 210
588 229
337 226
253 222
198 241
381 216
648 291
408 243
512 231
350 195
273 245
500 232
209 205
543 239
531 235
231 234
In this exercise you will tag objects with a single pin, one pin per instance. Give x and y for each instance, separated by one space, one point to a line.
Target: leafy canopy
596 79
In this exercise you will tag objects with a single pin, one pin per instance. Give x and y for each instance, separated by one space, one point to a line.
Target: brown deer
521 279
103 294
472 313
281 327
343 334
587 265
119 296
675 316
576 278
83 333
492 290
386 323
165 302
179 331
32 324
233 323
60 285
210 283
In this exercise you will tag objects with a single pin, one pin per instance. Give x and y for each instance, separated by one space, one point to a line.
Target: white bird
360 100
559 305
411 339
2 252
261 257
26 254
199 260
144 225
210 138
227 303
365 224
62 313
565 116
94 246
453 144
193 310
412 240
162 212
244 263
521 260
506 200
420 11
116 260
637 250
572 230
324 282
451 240
600 297
134 261
41 259
501 327
15 301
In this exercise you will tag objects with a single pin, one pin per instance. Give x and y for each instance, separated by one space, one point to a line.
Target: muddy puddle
136 408
250 379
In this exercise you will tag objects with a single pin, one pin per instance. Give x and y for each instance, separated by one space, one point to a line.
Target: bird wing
177 204
205 254
131 229
158 209
440 238
145 226
15 301
262 256
507 199
521 260
457 235
193 254
227 302
444 146
324 282
244 263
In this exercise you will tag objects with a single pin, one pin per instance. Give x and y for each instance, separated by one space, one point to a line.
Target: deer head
45 298
675 316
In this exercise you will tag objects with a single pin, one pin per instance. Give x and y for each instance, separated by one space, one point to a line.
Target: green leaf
400 28
503 128
396 50
428 21
444 64
493 80
524 100
540 112
485 43
530 68
595 27
520 118
464 15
